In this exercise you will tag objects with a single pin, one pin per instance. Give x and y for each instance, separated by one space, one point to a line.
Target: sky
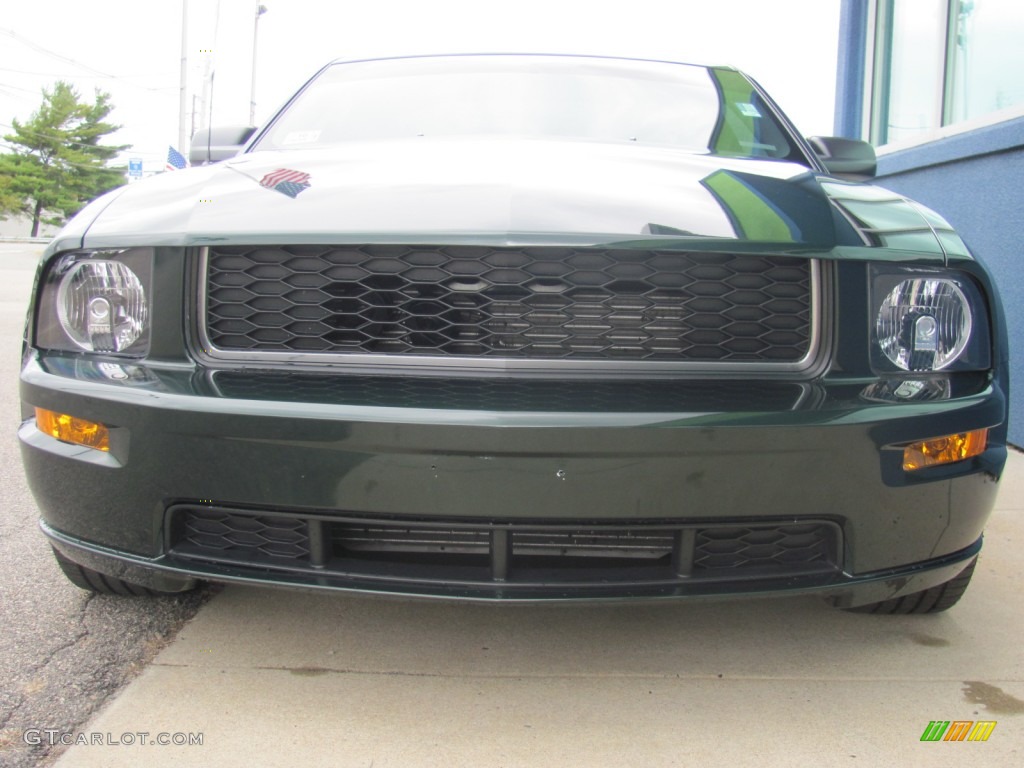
132 49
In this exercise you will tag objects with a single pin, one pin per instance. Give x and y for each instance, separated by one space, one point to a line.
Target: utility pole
260 10
209 57
182 99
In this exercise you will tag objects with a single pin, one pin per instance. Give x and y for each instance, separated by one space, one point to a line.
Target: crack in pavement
106 643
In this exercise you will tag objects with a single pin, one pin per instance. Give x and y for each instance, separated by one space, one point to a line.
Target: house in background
938 87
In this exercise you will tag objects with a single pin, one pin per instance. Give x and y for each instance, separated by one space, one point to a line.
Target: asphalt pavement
62 652
270 678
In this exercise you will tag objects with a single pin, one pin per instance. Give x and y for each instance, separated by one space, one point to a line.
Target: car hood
493 190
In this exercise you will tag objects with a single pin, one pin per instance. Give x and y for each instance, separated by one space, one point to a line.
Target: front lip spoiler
842 590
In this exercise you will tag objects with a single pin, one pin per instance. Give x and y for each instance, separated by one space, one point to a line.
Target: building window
941 62
988 58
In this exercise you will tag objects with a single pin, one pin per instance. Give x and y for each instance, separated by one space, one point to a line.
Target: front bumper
171 574
673 460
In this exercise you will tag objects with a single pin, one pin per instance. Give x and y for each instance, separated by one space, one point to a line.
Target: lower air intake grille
785 546
549 555
230 536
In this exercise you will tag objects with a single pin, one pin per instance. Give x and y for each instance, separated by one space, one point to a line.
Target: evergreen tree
57 164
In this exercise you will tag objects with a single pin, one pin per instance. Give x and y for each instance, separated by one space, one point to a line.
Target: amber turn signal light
944 450
72 430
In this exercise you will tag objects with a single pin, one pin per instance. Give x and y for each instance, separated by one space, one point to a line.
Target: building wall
980 195
973 178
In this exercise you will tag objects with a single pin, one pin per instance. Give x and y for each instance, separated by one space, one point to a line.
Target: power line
58 74
19 88
36 46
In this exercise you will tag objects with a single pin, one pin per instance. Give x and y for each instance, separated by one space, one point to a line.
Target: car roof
534 54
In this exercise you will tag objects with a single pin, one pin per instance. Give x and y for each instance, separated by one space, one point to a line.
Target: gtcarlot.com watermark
51 737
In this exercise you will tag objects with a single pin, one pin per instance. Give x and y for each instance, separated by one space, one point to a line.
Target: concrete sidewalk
275 678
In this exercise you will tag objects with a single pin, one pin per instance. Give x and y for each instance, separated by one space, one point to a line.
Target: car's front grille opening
520 303
534 554
230 536
526 549
740 547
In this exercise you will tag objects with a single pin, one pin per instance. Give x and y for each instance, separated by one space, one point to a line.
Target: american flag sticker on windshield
286 182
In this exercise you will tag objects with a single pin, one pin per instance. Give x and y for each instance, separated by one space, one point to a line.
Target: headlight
96 301
924 324
929 322
102 306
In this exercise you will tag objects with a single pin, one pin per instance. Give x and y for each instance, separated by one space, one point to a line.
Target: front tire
101 583
934 600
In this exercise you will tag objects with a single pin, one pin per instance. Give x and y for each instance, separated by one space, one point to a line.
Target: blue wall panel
981 196
853 35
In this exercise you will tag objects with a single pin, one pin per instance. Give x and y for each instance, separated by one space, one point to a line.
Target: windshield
713 111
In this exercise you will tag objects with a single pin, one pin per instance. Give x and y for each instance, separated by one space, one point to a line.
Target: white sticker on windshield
301 137
747 109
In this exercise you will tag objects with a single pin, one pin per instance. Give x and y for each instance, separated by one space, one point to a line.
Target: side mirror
846 158
211 145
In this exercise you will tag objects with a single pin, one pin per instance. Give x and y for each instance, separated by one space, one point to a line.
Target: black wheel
101 583
933 600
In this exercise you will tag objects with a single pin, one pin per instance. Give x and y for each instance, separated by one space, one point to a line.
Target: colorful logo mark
958 730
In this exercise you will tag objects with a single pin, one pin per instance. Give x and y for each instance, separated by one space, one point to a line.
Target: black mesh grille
533 303
229 536
783 547
533 554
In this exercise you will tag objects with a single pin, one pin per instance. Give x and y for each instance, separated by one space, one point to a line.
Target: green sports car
518 327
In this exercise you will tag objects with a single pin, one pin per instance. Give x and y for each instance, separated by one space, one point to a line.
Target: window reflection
941 62
987 59
911 96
